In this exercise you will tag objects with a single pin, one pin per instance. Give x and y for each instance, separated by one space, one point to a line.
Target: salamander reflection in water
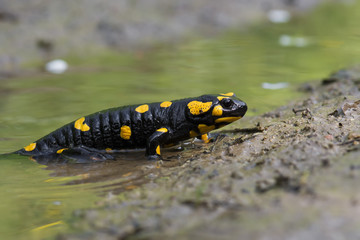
148 126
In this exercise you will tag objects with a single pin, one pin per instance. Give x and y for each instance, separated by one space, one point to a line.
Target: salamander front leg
153 143
210 137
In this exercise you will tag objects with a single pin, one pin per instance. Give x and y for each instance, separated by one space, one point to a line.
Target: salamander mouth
226 119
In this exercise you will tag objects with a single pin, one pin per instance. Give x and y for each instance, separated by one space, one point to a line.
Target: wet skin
147 126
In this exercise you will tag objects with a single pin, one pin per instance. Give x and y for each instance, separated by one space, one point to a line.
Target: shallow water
37 200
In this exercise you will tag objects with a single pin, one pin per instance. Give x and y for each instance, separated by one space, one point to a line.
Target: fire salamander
148 126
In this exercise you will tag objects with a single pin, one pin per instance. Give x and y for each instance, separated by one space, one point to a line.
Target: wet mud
291 173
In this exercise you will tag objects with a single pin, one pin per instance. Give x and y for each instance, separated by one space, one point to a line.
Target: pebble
57 66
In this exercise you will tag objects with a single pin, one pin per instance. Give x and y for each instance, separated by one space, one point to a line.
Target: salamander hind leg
158 138
83 154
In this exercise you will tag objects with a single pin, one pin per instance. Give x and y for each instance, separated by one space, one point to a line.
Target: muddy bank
289 174
34 30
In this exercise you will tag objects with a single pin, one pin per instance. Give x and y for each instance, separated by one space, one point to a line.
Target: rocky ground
38 30
289 174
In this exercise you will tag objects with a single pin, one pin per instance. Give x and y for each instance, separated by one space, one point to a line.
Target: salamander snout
241 108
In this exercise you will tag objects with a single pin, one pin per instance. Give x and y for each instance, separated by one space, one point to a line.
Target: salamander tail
20 152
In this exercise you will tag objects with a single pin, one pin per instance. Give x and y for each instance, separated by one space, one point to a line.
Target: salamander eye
227 103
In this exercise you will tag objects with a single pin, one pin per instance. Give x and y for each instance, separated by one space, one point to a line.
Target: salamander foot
154 157
85 155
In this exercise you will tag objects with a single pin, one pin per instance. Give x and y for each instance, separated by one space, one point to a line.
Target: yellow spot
203 128
61 150
130 187
221 98
159 164
162 130
205 138
83 175
108 149
217 111
158 150
79 124
165 104
48 225
227 119
193 133
127 174
30 147
197 107
229 94
125 132
142 108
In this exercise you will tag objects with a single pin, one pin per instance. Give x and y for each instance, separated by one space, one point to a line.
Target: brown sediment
289 174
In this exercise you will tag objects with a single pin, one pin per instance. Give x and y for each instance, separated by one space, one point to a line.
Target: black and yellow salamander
148 126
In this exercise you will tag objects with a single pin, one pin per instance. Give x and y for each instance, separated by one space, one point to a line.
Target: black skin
151 129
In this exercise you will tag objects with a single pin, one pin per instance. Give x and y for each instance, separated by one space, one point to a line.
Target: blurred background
60 60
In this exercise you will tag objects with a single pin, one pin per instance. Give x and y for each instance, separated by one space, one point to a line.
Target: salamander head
218 110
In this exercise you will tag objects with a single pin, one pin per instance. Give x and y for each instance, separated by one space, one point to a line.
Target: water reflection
127 170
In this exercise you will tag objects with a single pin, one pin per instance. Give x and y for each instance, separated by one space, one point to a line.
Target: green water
37 203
